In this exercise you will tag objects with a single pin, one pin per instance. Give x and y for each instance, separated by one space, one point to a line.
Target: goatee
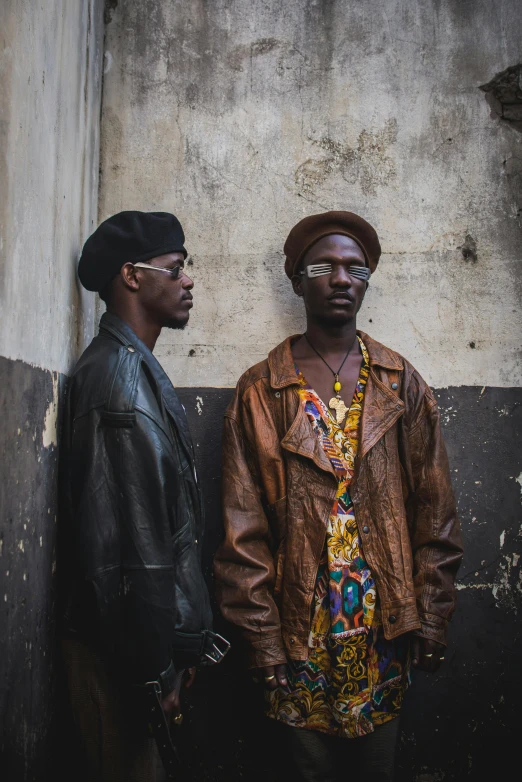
176 324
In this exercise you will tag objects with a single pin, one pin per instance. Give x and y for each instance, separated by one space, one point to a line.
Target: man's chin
177 323
336 319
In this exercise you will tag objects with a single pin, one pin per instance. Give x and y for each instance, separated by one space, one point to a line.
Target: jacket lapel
381 407
300 437
124 334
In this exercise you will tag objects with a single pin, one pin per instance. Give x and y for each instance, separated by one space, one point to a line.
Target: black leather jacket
133 514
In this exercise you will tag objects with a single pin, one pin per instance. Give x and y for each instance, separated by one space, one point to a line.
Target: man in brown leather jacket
341 535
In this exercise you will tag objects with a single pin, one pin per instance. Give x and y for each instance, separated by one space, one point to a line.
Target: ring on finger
428 655
269 678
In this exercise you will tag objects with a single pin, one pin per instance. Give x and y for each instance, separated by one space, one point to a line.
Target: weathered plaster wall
50 61
242 117
50 89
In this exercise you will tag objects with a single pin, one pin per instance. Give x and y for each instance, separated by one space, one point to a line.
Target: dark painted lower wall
28 470
459 725
463 723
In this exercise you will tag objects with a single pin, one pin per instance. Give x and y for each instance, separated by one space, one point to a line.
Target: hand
188 678
426 654
172 702
274 676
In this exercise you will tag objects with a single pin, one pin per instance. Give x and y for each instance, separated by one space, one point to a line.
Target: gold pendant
337 404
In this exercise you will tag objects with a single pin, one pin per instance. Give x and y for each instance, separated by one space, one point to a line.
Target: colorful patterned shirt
354 679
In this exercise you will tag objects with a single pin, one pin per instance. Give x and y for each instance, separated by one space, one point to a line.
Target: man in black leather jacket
136 607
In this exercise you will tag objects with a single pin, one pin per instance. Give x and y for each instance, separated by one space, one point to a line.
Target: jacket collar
117 328
381 408
282 366
379 355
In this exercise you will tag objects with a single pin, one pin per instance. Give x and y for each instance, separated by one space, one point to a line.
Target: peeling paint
461 586
501 587
502 591
50 429
108 62
29 471
367 162
504 95
199 404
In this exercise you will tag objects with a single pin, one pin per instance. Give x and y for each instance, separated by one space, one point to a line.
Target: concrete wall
50 91
242 117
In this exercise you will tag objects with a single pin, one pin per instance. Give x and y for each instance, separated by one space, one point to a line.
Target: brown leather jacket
279 488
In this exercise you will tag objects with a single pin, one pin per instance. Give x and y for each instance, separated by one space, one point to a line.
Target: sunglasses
318 269
175 272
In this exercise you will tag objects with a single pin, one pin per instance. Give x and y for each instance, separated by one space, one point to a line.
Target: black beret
127 237
310 229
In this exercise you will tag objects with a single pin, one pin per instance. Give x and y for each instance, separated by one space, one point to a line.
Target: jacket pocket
277 514
277 517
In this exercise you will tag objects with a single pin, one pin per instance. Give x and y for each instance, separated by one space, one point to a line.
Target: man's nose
340 278
186 281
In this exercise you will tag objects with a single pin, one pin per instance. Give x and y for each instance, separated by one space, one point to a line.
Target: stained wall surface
50 90
243 117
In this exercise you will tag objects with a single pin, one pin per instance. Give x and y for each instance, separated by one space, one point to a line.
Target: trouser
115 746
320 757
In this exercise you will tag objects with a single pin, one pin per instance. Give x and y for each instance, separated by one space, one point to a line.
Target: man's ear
297 284
128 274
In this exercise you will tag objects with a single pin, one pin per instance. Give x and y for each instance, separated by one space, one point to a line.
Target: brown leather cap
312 228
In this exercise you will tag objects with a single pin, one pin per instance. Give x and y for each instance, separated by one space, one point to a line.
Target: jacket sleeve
434 525
142 491
243 565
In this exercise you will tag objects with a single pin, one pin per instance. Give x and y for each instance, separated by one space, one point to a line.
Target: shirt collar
282 366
